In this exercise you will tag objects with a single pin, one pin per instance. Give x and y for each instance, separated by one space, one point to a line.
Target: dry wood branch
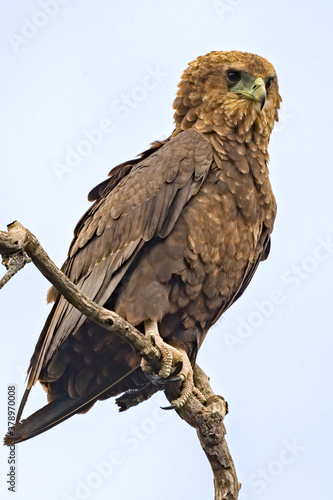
207 419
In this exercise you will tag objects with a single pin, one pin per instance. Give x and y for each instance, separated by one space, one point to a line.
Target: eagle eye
269 83
233 76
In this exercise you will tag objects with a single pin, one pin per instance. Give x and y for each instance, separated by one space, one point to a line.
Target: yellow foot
176 367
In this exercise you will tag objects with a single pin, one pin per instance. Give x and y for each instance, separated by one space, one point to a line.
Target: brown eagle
172 240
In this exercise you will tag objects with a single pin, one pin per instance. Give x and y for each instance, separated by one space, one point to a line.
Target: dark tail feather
50 415
53 413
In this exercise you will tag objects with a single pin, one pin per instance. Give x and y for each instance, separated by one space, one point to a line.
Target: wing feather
145 203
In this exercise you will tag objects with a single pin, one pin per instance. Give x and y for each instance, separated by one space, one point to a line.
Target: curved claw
171 407
159 380
178 369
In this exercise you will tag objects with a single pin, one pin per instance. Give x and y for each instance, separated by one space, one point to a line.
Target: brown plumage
174 236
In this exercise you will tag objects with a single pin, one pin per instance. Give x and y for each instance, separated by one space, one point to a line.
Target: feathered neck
229 116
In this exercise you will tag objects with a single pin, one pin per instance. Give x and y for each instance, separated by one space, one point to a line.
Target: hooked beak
256 91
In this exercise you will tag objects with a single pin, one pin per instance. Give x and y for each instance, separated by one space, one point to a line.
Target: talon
158 379
171 407
176 367
170 380
177 370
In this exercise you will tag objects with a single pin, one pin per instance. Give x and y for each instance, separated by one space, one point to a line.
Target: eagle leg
171 358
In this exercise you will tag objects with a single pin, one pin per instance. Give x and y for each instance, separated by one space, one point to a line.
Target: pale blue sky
69 68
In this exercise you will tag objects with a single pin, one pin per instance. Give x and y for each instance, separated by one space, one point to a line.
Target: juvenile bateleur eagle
172 239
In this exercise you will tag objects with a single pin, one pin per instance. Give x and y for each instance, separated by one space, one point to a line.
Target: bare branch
206 419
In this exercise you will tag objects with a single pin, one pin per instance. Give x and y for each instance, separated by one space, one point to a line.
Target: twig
206 419
13 263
